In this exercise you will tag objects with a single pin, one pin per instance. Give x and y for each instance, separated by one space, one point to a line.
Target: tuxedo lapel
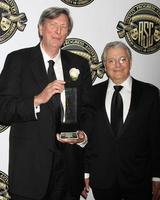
39 71
38 67
135 94
102 96
101 90
67 64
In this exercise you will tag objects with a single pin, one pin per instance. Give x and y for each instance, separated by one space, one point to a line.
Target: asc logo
77 3
82 48
10 20
4 186
141 28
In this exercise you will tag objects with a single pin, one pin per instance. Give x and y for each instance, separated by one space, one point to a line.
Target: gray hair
54 12
115 44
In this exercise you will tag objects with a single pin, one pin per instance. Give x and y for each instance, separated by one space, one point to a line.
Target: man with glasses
123 153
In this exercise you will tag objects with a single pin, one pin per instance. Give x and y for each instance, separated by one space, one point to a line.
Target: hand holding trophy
69 127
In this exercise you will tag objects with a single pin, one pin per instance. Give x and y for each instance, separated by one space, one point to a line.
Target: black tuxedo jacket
133 157
33 140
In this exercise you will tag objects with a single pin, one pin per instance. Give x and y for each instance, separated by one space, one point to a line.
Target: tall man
124 158
30 103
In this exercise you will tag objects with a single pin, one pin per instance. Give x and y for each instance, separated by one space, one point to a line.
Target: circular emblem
3 128
141 28
82 48
10 20
4 186
77 3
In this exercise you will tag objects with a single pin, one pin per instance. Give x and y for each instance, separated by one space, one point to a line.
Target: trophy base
68 131
69 135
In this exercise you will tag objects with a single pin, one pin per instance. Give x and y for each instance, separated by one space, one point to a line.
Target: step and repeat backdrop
96 22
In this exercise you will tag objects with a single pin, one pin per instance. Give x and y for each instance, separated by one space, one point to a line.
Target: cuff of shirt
155 179
86 175
83 144
36 110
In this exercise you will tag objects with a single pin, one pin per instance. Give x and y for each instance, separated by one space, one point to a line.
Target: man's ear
40 30
130 63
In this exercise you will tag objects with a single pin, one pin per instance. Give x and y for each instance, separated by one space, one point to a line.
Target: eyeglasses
63 27
113 61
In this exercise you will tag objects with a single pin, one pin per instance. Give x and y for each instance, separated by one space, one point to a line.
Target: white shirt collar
127 84
46 57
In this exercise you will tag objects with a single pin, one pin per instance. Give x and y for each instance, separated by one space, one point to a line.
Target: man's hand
85 191
156 190
50 90
80 139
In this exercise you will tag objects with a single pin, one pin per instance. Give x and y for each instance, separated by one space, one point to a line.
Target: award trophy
69 115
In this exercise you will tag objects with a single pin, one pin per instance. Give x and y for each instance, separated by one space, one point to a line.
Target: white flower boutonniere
74 73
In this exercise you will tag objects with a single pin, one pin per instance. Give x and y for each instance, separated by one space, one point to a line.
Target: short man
123 159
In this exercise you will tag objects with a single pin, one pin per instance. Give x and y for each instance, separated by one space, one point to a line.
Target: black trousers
57 183
116 194
69 196
57 196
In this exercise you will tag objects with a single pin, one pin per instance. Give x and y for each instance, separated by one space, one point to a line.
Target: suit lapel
38 67
135 94
101 91
67 64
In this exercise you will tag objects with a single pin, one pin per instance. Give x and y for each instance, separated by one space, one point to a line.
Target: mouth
56 38
117 70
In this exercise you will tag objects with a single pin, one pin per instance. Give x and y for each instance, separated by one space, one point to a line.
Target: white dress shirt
57 68
58 71
126 97
125 93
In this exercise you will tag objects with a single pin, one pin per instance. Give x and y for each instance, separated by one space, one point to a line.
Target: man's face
5 24
157 35
54 31
134 33
117 65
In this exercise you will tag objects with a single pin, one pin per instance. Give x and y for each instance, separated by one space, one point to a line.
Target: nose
117 63
58 29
